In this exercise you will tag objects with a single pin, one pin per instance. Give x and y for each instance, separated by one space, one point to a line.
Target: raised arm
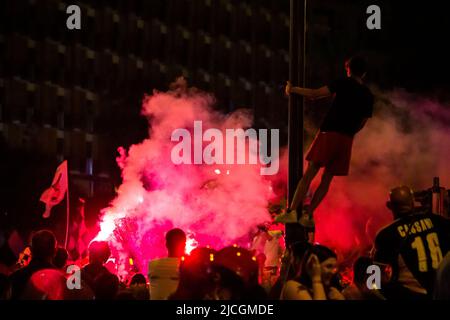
308 93
315 272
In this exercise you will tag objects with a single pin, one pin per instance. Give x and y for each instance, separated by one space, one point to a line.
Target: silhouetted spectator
106 286
99 253
60 259
163 273
138 279
5 287
51 284
7 256
43 248
4 269
196 281
138 287
316 274
227 285
358 289
243 264
290 268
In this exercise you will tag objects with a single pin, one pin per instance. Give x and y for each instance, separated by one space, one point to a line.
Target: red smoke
216 205
406 142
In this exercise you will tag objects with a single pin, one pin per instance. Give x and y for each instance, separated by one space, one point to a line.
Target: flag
54 195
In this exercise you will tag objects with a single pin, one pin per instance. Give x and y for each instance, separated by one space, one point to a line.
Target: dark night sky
419 33
413 41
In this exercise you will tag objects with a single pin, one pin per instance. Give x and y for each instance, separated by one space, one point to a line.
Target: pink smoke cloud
217 205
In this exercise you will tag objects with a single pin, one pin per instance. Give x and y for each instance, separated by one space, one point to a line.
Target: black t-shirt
352 103
421 240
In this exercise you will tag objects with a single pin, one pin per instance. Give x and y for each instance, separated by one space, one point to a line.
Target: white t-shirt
273 250
163 275
259 242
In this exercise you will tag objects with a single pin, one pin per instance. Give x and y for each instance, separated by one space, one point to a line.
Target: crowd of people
411 255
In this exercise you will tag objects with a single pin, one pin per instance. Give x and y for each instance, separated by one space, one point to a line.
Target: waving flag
54 195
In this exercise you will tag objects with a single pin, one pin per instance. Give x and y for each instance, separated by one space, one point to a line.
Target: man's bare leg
320 192
303 185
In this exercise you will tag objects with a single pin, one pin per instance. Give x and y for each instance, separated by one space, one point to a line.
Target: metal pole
297 45
68 208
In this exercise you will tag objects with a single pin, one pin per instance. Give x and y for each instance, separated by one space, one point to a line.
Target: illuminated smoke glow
215 204
406 142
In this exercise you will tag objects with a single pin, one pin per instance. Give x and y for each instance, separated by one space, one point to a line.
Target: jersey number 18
433 247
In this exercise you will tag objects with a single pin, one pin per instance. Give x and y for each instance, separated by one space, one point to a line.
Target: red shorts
332 150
